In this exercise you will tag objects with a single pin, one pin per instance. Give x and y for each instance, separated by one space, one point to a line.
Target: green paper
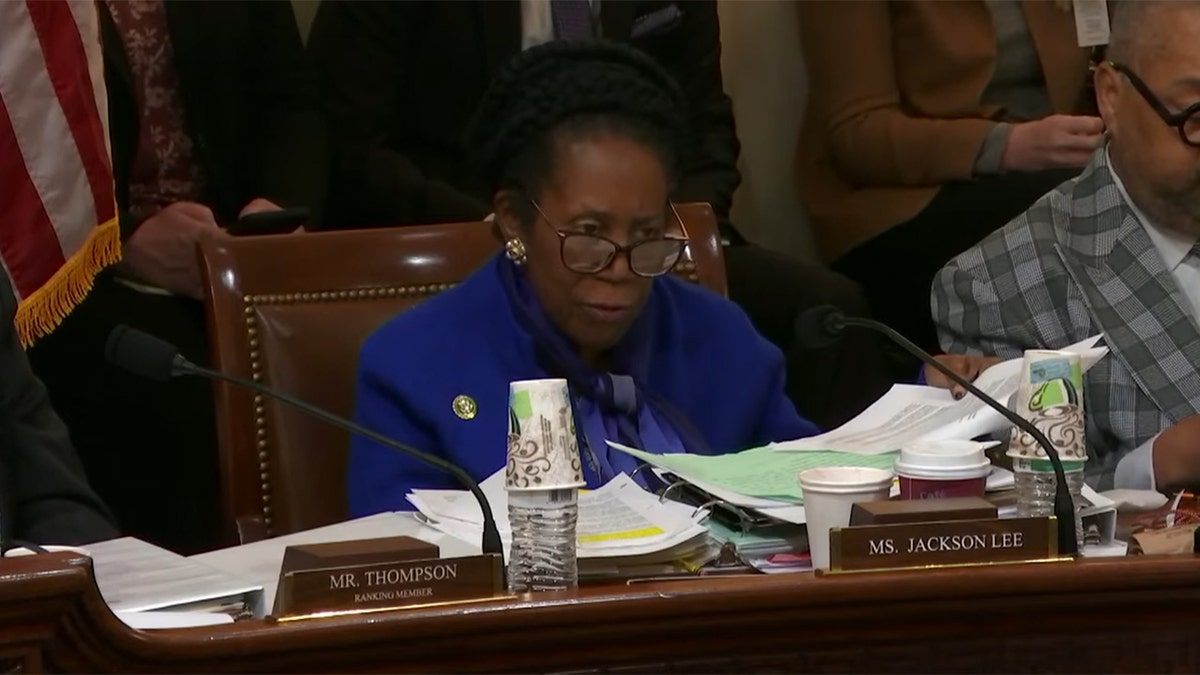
758 472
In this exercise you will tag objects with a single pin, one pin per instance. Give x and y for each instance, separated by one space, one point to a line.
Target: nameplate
378 574
942 544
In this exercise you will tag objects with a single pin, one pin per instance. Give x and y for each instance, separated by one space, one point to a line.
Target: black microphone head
819 327
141 353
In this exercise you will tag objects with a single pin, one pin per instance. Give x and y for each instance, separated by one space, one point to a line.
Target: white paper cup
543 453
829 492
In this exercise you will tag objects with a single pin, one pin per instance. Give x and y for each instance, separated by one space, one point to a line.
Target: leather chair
291 312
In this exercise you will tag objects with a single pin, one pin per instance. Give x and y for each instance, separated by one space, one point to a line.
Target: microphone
143 354
822 326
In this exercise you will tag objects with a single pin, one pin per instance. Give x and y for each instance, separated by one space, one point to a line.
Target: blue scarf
607 405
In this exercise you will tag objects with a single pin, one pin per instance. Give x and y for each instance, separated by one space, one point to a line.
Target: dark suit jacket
402 79
44 497
250 98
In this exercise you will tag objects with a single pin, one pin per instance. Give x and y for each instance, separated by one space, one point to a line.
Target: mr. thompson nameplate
391 584
957 542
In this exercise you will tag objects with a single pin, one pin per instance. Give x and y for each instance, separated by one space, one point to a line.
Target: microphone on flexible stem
822 326
143 354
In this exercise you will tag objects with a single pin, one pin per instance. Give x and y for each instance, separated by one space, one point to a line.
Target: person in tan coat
929 125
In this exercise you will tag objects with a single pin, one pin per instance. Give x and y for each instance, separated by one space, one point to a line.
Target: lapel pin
464 406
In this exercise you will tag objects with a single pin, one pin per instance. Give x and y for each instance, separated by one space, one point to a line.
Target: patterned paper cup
1051 397
543 453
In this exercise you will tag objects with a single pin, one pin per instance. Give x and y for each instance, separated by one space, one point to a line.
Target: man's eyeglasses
592 253
1187 122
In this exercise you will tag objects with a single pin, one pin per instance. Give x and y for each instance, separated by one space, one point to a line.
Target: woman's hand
966 366
1055 142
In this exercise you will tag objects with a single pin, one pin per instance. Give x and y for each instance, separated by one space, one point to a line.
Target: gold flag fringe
45 308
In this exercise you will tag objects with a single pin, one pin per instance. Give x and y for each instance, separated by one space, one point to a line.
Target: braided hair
560 91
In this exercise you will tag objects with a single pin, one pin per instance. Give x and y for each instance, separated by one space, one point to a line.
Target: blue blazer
466 341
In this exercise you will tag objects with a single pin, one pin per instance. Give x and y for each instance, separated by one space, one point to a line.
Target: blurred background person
213 113
929 125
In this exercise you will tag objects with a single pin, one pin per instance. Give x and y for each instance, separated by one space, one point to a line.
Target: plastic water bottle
542 557
1036 484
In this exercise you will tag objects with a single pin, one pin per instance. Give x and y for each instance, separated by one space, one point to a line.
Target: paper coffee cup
1050 396
942 469
829 493
543 453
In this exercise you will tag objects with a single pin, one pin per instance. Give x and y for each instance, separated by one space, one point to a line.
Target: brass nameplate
942 543
387 585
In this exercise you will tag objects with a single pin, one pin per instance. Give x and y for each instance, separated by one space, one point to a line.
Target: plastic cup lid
944 460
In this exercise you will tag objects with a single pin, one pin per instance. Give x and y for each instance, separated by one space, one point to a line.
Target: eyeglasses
591 253
1187 122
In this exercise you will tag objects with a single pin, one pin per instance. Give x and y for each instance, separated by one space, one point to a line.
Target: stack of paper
766 481
762 541
136 576
260 561
758 479
912 413
619 523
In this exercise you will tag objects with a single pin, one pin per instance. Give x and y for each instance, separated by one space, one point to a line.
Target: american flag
58 219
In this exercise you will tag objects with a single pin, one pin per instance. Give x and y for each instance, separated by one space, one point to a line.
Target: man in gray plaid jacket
1111 252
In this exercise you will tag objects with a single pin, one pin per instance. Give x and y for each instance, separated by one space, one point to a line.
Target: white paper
1115 549
162 619
622 511
619 507
910 413
461 506
1000 479
619 519
1091 22
133 575
260 561
1097 503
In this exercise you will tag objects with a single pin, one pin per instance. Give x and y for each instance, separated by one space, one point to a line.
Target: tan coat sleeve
872 140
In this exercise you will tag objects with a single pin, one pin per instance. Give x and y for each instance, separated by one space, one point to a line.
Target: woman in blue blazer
581 142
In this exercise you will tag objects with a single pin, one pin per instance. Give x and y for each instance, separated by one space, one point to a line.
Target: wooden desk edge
58 593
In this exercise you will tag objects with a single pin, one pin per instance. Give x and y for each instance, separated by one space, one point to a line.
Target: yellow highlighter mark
627 534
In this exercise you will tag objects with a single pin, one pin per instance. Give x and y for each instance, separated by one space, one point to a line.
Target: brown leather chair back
291 312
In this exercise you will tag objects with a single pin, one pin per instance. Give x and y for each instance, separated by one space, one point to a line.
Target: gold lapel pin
464 406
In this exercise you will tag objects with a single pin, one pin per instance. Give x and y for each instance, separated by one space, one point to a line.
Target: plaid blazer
1078 263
